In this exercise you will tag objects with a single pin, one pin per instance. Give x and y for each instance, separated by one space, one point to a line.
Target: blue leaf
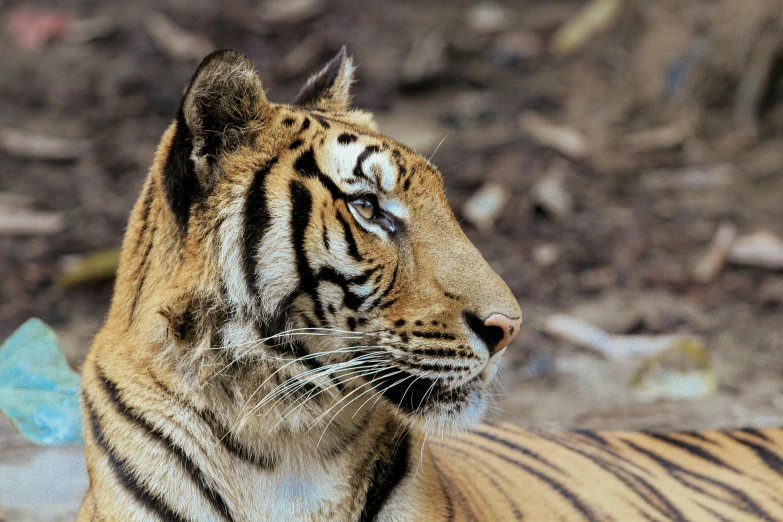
38 390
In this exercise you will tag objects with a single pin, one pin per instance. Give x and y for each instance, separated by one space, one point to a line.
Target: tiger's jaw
432 407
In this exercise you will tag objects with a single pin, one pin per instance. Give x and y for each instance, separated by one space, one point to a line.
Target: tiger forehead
353 156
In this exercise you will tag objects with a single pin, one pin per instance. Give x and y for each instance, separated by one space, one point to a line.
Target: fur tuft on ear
221 104
329 89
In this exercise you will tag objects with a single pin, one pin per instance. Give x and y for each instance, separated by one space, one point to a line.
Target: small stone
697 178
485 206
92 29
546 255
174 40
488 18
762 249
563 139
712 262
289 11
550 193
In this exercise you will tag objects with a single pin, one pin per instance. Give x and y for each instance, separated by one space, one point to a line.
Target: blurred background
618 162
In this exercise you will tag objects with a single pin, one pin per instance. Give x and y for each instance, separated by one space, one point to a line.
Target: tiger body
301 331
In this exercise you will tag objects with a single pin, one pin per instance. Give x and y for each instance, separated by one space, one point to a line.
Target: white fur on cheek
277 275
230 257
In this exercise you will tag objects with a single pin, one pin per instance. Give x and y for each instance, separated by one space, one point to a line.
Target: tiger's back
502 472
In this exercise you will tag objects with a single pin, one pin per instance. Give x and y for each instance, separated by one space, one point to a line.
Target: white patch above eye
395 208
388 174
341 159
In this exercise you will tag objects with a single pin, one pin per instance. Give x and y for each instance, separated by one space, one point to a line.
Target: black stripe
386 474
568 443
755 433
449 502
145 213
743 501
195 474
295 145
433 335
324 231
353 250
125 474
307 166
302 204
387 304
559 488
321 120
590 434
696 435
694 450
221 432
226 439
180 183
769 457
495 484
455 489
346 138
256 223
718 516
516 447
388 290
633 481
358 171
329 274
142 274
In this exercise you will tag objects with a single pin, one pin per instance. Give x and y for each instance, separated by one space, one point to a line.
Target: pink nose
510 327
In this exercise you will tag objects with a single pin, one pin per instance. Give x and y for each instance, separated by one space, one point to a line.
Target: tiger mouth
414 394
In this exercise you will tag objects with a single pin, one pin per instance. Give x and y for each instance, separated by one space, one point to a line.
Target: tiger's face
343 238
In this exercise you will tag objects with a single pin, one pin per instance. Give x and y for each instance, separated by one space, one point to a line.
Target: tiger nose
500 323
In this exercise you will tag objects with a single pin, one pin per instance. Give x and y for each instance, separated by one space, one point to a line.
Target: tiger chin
301 331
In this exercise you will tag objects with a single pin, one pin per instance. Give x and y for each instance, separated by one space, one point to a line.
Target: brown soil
628 237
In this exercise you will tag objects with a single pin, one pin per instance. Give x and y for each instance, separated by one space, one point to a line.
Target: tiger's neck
311 452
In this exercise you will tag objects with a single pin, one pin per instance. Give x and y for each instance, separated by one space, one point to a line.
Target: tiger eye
365 208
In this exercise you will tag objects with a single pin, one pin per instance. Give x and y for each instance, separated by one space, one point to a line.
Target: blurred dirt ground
618 161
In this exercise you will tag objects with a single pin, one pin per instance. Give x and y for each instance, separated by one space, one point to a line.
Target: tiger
300 330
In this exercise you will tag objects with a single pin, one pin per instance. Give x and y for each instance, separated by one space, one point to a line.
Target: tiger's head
333 242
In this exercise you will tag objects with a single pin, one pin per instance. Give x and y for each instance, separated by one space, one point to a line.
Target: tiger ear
329 89
222 102
223 99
